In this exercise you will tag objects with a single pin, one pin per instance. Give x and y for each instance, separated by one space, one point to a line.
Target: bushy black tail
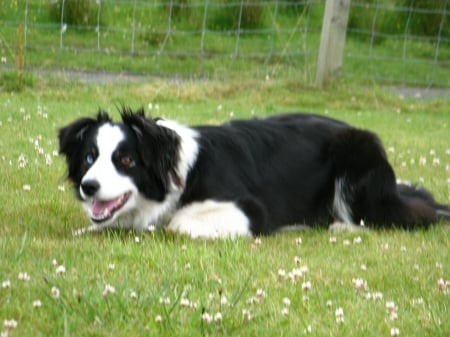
413 195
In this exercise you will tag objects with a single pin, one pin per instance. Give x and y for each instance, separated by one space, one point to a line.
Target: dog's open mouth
103 210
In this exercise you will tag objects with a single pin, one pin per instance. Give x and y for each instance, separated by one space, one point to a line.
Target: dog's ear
159 146
71 136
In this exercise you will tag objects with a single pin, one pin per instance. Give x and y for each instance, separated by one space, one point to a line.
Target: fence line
231 38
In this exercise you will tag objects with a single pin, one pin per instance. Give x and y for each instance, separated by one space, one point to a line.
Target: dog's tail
420 201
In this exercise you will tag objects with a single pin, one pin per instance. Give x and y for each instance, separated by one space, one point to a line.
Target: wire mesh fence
401 41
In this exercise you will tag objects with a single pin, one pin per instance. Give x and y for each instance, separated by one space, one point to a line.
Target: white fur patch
340 206
112 184
340 227
188 147
210 219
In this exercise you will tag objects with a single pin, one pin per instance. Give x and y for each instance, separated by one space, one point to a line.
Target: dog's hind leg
369 189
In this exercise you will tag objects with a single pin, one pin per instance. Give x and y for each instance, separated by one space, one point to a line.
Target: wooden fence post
20 63
332 40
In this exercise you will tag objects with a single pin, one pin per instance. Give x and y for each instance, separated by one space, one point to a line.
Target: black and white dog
242 178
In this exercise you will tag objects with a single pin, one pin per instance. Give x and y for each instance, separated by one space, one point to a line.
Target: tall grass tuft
75 12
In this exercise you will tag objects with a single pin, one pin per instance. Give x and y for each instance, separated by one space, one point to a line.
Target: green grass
218 276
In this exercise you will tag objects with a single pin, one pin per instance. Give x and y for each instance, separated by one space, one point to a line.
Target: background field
170 285
402 42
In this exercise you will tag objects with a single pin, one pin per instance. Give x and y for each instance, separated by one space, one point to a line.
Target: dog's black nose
90 187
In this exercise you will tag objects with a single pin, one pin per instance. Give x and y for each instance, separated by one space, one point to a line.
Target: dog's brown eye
127 161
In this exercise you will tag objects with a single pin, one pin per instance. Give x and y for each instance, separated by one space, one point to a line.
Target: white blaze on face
112 183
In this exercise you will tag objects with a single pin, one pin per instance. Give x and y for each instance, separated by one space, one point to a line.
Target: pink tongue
99 206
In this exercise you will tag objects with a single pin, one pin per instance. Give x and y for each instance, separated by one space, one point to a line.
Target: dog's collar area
103 210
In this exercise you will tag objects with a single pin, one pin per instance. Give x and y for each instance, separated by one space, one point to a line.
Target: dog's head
114 167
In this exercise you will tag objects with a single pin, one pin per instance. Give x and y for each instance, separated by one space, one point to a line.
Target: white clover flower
281 274
10 324
298 241
247 315
357 240
184 302
306 286
261 294
377 296
339 314
158 319
218 317
422 161
442 285
333 239
164 300
395 331
55 293
111 266
37 304
257 242
286 301
285 311
363 267
26 187
23 277
133 295
360 284
346 242
390 306
223 300
297 260
109 289
54 262
393 316
329 303
60 270
207 318
137 239
6 284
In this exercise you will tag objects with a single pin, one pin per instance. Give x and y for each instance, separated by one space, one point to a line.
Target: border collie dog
242 178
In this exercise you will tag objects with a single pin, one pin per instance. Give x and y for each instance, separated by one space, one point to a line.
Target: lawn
291 284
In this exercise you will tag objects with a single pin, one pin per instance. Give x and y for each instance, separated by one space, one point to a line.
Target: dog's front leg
89 229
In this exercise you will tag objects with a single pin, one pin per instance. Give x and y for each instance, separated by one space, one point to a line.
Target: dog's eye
126 161
89 159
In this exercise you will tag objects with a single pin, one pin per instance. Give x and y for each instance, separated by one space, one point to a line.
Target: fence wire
402 42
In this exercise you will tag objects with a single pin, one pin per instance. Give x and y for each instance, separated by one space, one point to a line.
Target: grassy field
292 284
